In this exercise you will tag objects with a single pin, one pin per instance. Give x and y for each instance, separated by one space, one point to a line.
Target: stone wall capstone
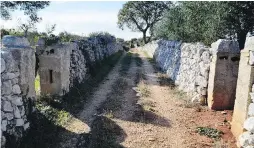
17 87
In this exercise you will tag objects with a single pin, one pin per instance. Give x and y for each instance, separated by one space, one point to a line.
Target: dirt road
135 108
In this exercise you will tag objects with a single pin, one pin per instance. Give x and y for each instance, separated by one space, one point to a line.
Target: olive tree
142 15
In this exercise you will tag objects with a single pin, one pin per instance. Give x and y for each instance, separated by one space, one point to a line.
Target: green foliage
206 21
141 15
67 37
209 132
104 37
30 8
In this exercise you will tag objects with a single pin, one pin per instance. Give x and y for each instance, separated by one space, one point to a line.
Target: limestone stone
251 109
251 60
6 87
7 107
19 122
16 100
249 124
17 112
246 139
26 125
14 41
3 141
14 81
225 46
3 125
252 96
8 76
196 99
22 111
249 43
2 65
9 116
16 89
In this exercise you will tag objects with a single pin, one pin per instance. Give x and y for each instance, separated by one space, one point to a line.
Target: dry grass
221 144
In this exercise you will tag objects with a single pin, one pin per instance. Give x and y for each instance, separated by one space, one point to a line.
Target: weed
209 132
143 89
37 85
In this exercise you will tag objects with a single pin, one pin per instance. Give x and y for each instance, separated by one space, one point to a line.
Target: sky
81 17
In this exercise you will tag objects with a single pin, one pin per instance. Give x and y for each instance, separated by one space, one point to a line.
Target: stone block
14 81
225 46
19 122
9 116
14 41
252 96
249 124
246 139
251 109
7 107
3 125
6 88
249 43
16 89
16 112
2 65
16 100
26 126
8 76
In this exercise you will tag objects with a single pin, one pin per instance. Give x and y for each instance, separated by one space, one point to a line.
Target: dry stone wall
17 86
187 64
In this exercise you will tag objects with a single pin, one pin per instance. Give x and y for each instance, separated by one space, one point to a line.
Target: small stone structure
244 107
223 74
54 69
17 86
63 65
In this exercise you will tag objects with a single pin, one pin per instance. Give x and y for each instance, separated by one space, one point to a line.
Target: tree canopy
142 15
30 8
207 21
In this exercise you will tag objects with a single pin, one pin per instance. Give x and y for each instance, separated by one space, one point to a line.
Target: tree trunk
144 37
241 37
26 32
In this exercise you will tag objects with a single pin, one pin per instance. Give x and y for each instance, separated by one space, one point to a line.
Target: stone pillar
17 86
223 74
244 87
54 69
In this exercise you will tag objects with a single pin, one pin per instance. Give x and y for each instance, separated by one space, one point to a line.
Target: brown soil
159 120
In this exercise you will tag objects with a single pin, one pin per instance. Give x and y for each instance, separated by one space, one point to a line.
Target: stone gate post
223 74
